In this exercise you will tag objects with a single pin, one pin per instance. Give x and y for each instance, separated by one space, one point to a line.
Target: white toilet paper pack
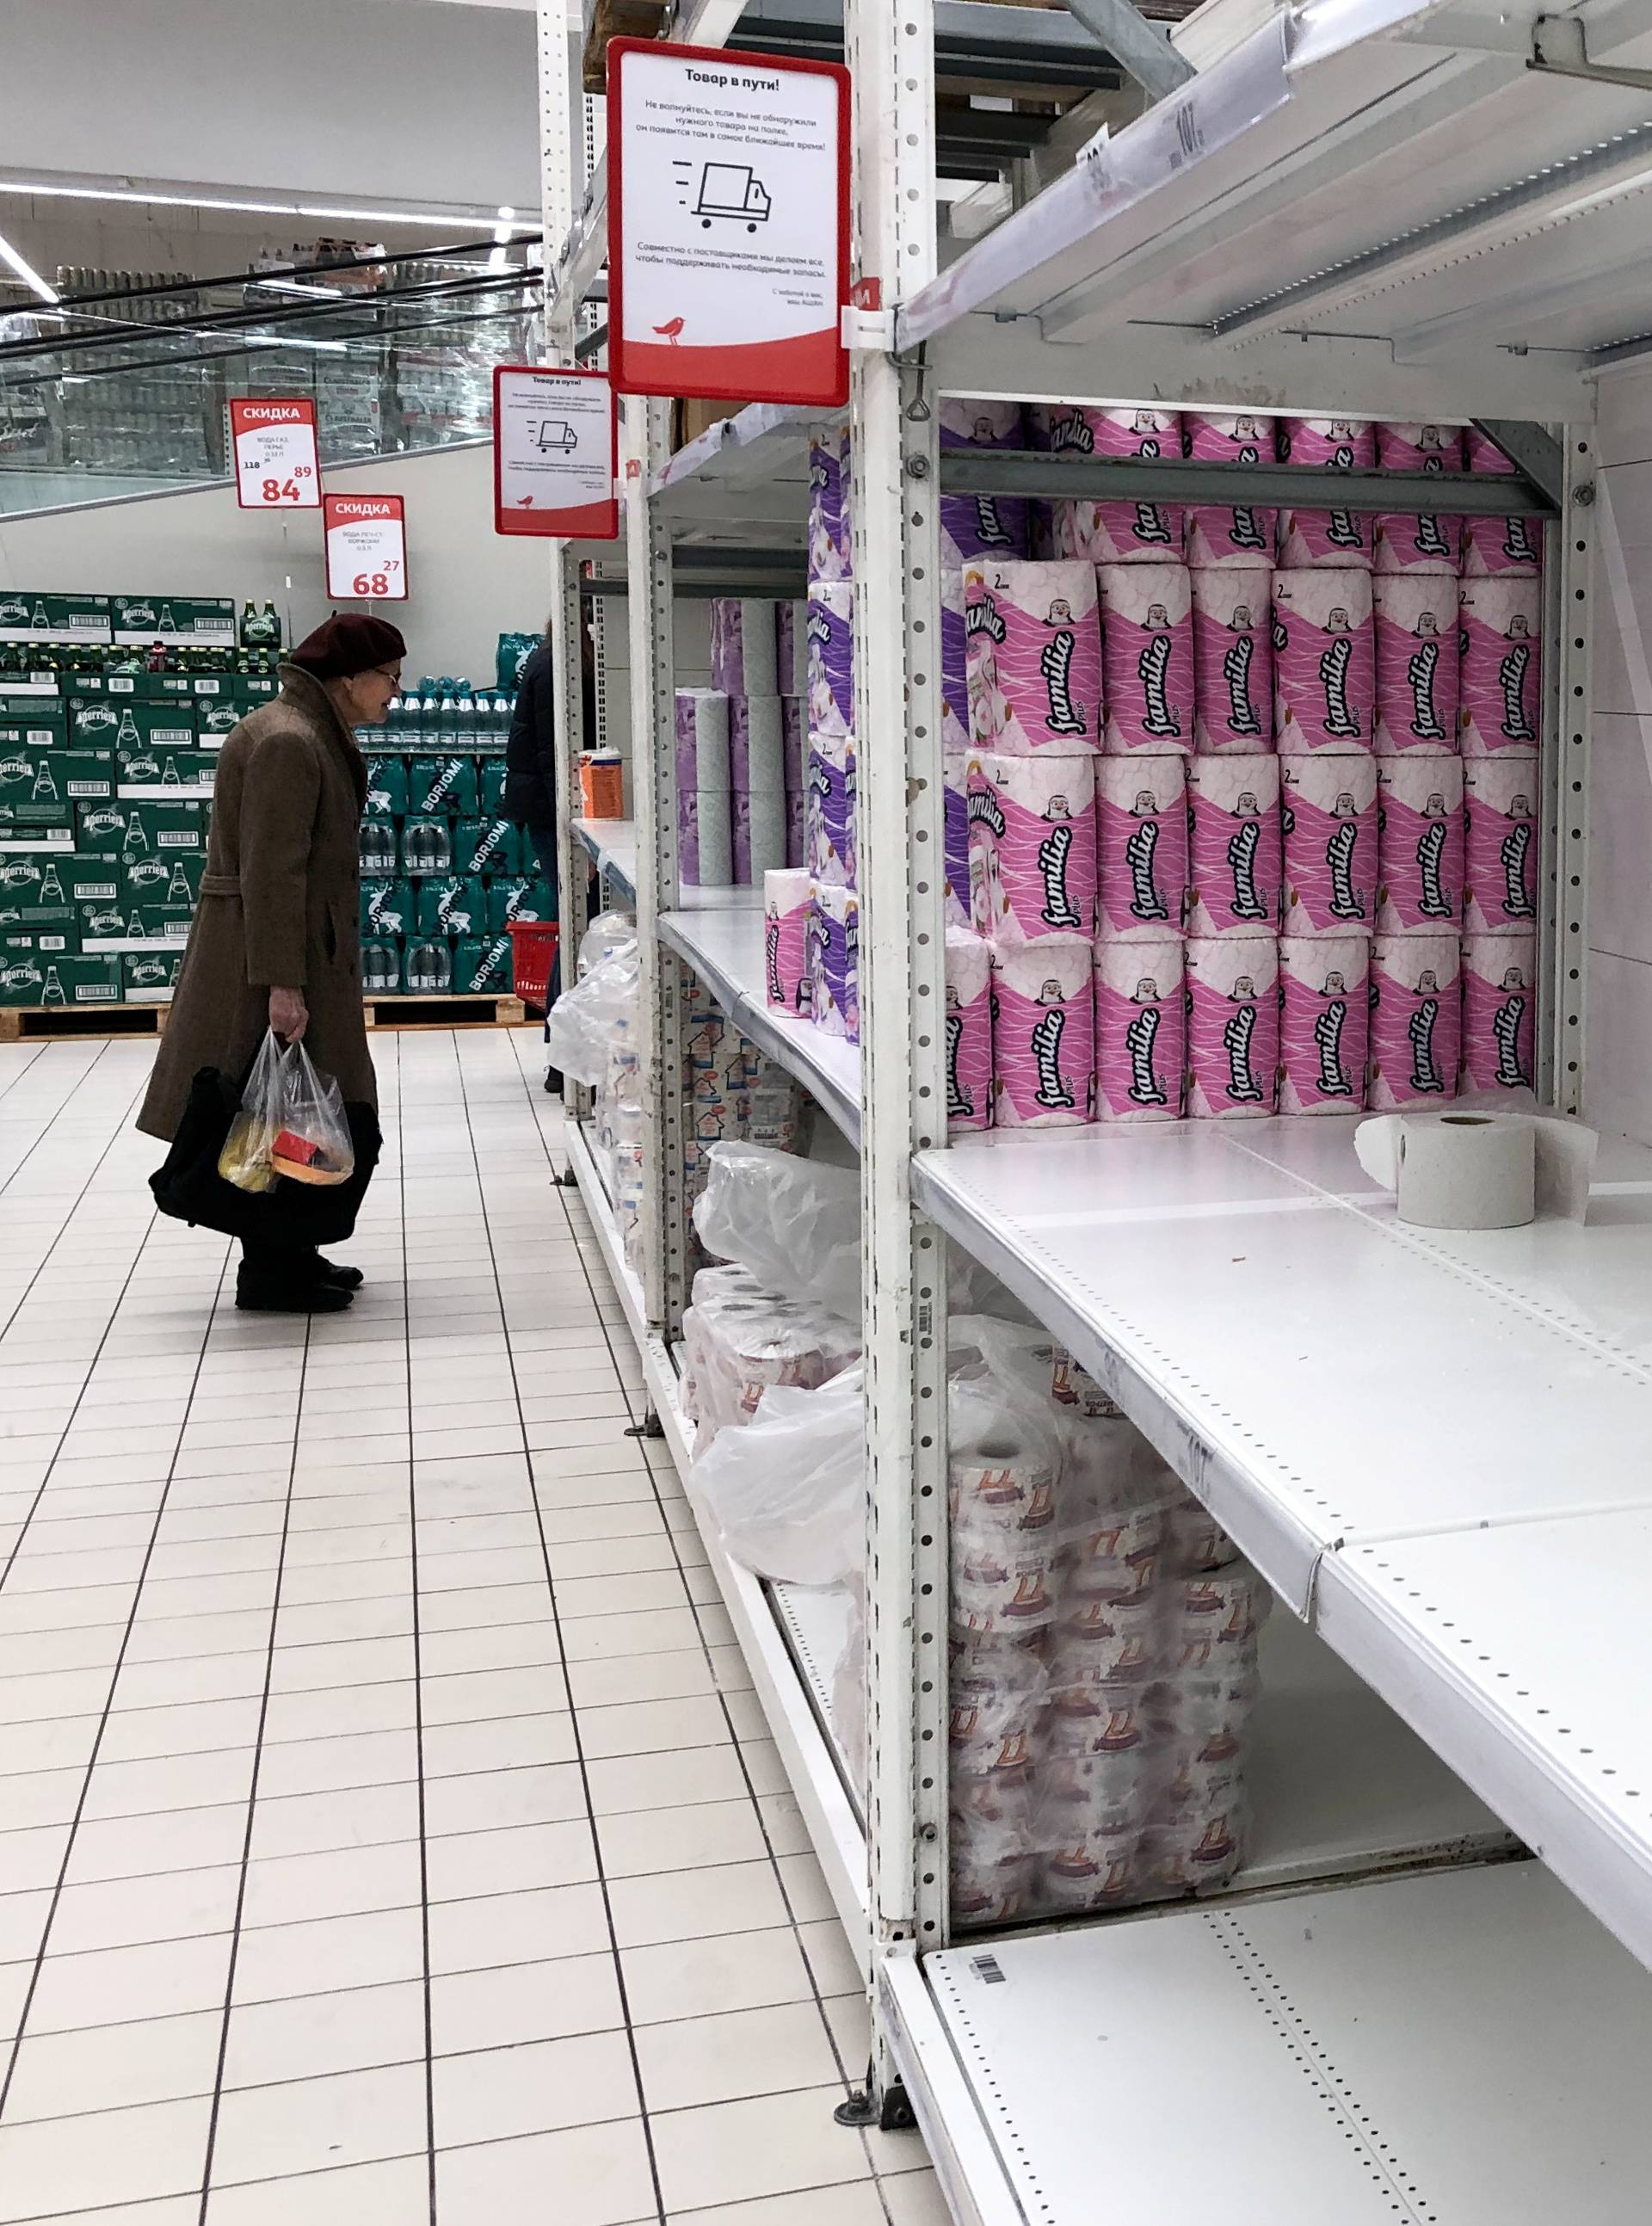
968 1031
1431 543
1502 706
1115 531
702 724
1244 537
1034 657
758 821
1044 1034
1033 836
1324 661
1420 845
756 745
1496 545
705 837
1232 1028
831 657
1341 539
1140 1031
794 730
1416 1020
1499 1012
1328 818
1233 660
1147 658
1415 622
1235 862
744 646
1324 1020
791 647
1501 846
834 960
1142 847
828 550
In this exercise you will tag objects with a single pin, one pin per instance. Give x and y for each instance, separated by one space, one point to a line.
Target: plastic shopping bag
788 1493
291 1122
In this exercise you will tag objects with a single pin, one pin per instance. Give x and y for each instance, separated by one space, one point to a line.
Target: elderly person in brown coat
275 942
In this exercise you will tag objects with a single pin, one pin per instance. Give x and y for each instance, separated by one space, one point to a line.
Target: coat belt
220 885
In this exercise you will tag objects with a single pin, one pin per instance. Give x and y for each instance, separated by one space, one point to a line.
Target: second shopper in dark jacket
529 762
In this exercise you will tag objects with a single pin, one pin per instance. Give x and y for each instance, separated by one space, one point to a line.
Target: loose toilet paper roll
955 670
1232 1028
1405 542
797 835
1140 1031
1341 539
785 942
1499 1012
971 420
1324 661
994 525
760 834
1415 622
1503 665
1233 661
834 960
1147 658
968 1031
831 809
1324 1023
1495 545
1035 657
831 657
1235 864
1033 822
1142 847
1044 1034
790 648
743 645
1416 1020
1501 852
702 739
1116 532
705 837
1565 1153
1243 537
954 835
756 745
1328 817
1466 1170
794 734
1420 845
827 550
1114 1555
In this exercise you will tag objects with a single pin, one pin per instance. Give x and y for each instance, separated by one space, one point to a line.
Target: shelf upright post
895 493
1563 941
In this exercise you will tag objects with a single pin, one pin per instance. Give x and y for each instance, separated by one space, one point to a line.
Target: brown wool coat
279 903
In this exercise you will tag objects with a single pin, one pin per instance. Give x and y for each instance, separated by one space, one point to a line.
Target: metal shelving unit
1431 1444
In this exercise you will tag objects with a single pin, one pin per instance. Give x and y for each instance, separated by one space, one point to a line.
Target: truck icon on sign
555 433
730 190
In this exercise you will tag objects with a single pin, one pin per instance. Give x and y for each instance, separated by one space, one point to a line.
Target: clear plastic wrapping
796 1223
739 1340
584 1023
788 1493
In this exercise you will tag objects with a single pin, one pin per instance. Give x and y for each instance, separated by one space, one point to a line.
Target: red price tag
274 441
366 548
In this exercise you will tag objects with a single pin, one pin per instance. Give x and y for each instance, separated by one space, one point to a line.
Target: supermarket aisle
387 1833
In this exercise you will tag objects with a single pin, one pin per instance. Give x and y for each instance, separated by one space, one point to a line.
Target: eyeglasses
384 673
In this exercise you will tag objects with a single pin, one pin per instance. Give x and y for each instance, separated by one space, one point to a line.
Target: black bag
188 1187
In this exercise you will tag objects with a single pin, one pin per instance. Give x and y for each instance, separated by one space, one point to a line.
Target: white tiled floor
387 1832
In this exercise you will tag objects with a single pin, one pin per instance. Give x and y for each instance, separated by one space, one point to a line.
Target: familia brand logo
1236 671
1511 675
1153 669
960 1105
1420 1030
1434 903
1238 1038
1422 670
1054 852
1517 544
1140 852
1244 847
1072 431
1513 853
1505 1035
1428 539
1052 1092
990 530
984 616
1064 715
1346 902
1139 1038
1341 720
1328 1036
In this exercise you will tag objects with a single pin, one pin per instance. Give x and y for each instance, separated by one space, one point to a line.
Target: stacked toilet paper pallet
739 1337
740 759
1102 1661
1251 799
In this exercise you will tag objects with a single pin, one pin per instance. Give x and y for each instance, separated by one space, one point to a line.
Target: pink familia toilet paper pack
1140 1031
1433 542
1034 657
1232 1028
1032 831
1233 661
1502 848
1044 1034
786 905
1416 1022
1115 532
968 1031
1234 847
1496 545
1328 821
1420 845
1502 698
1141 869
831 657
1499 1012
1342 539
1147 658
1324 1020
1324 661
1418 665
1243 537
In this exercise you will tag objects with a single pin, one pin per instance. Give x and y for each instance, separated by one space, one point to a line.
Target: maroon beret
348 643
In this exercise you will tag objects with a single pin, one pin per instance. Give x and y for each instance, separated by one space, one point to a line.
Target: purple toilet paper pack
744 646
834 960
955 665
1114 532
1147 658
1406 542
1501 704
829 557
1496 545
1420 847
1343 539
1324 661
1416 1021
1044 1034
1142 847
705 837
1418 665
797 834
1328 821
1234 848
830 813
831 658
757 823
1499 1012
791 647
968 1032
1243 536
1232 1028
1033 844
1324 1001
954 804
1141 1030
794 743
981 525
1233 661
1500 869
1034 657
970 421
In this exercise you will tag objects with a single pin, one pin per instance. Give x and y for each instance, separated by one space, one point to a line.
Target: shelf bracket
1560 48
1142 49
1532 451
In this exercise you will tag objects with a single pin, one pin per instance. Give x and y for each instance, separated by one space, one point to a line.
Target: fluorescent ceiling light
293 286
25 271
143 197
293 340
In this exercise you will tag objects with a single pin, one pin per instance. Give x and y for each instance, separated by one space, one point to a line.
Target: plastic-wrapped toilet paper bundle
1115 532
1323 1026
705 837
954 835
1406 542
1328 817
831 657
1001 1492
785 942
703 725
1339 538
1243 537
790 648
1232 1028
834 960
1233 661
1324 661
1416 1028
1501 852
968 1031
1417 666
1092 1815
828 556
758 827
955 670
1035 657
1235 862
1496 545
1499 1012
1141 846
1032 822
1044 1034
1503 665
998 1693
757 744
831 809
738 1344
1147 658
1140 1031
743 645
993 1866
982 525
1420 847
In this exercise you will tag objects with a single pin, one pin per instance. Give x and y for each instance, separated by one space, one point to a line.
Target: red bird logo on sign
671 332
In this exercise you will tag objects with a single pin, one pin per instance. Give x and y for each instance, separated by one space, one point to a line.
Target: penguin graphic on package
1237 1038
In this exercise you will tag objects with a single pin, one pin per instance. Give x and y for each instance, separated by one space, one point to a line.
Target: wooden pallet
42 1023
461 1010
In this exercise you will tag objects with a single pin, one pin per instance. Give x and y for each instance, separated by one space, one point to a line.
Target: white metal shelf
1462 2049
745 477
612 843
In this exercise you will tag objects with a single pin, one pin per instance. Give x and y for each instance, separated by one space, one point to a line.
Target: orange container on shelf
602 784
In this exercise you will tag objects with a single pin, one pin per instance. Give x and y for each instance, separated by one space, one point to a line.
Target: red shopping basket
533 953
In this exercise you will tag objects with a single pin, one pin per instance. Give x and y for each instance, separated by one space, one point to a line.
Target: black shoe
333 1275
282 1294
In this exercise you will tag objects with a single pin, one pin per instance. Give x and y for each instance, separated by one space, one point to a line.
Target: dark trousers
544 839
277 1264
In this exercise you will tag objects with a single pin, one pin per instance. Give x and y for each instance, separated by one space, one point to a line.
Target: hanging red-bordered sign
555 453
